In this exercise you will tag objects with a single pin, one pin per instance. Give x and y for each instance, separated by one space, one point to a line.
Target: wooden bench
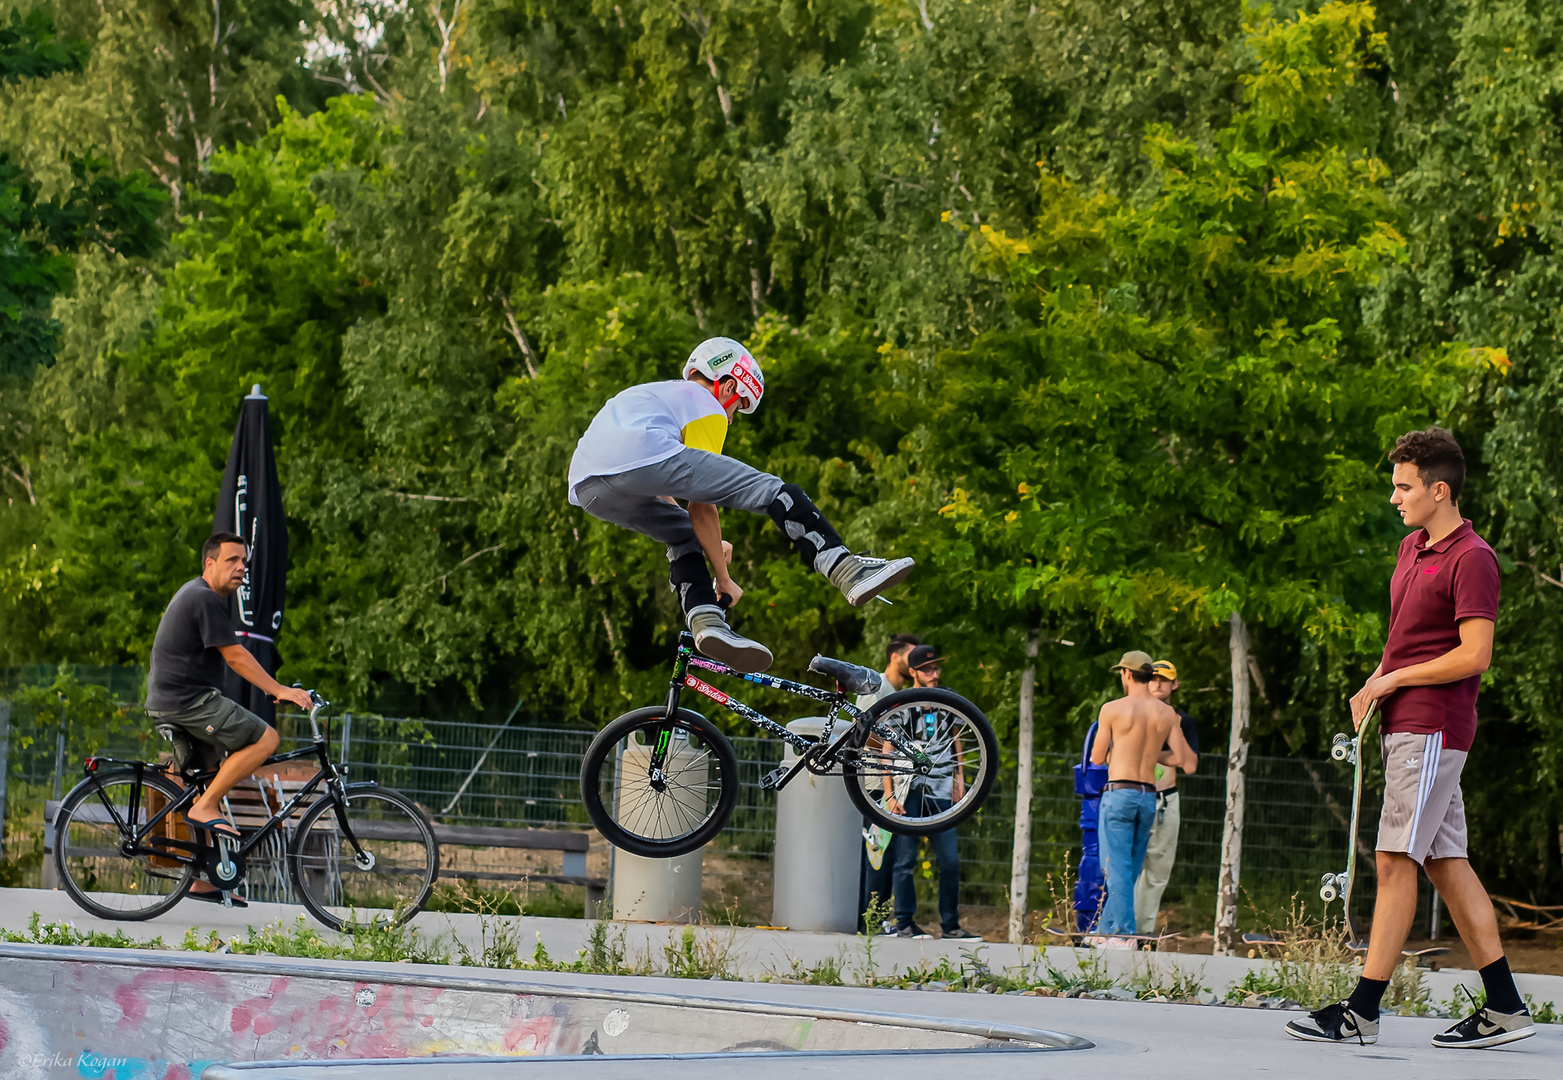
573 846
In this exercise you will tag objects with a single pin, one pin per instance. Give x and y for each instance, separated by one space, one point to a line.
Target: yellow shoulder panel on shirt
706 433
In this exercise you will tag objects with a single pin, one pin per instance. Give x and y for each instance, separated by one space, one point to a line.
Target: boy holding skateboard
1442 604
661 441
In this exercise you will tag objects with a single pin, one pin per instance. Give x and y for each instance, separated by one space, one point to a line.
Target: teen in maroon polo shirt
1443 600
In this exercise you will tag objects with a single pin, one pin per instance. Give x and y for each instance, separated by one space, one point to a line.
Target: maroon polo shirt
1434 587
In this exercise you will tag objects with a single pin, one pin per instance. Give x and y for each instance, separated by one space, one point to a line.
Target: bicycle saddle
850 677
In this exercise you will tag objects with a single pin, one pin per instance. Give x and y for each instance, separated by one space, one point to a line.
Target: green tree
1192 432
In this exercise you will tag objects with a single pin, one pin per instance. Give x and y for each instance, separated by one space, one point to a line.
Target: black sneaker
1487 1027
959 934
912 930
1334 1023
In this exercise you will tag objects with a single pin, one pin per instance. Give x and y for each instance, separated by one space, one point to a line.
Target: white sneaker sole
890 575
1492 1040
750 656
1367 1040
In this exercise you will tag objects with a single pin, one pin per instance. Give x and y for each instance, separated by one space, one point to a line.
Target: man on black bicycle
195 639
653 443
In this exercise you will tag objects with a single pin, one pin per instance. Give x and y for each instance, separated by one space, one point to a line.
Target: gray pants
630 500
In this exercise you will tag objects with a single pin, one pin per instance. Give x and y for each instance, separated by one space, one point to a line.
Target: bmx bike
662 781
359 853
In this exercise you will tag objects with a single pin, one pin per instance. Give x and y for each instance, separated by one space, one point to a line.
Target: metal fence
522 774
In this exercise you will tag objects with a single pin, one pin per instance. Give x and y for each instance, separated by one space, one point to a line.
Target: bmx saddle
850 677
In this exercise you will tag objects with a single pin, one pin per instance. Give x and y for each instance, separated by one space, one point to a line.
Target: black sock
1365 998
691 581
1502 995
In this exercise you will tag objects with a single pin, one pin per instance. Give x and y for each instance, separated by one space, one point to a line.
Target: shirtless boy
1130 734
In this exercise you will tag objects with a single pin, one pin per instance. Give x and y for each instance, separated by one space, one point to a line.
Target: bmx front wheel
657 786
948 729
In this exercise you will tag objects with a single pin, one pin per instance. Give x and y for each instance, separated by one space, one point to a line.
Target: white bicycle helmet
721 358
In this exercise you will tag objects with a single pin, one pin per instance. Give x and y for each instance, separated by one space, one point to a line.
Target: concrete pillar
819 846
655 890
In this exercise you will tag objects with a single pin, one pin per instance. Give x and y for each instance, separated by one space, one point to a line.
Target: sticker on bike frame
772 681
709 691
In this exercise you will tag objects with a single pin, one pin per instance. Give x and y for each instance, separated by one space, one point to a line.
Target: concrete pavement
745 953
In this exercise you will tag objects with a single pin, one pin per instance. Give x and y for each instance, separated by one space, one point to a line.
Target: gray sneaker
1334 1023
1487 1027
714 638
863 577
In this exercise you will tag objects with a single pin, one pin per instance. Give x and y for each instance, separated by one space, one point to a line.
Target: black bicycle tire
979 723
591 791
325 804
74 798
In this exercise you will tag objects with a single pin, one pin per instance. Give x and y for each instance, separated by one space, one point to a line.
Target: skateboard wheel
1339 751
1327 893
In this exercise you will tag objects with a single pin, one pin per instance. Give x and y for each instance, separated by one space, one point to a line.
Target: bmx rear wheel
953 733
659 787
87 856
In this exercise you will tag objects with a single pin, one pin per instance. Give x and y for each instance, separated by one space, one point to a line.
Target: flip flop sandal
215 897
217 825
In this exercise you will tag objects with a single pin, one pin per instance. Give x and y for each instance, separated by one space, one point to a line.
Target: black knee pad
801 522
691 581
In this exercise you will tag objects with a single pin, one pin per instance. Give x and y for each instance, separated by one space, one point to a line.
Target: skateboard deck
1349 748
876 842
1076 936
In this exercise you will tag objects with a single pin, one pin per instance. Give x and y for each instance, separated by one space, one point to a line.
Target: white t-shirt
646 424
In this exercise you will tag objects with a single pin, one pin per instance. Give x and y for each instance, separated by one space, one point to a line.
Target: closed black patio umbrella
250 504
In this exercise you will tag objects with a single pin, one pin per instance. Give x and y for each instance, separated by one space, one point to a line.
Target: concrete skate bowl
119 1014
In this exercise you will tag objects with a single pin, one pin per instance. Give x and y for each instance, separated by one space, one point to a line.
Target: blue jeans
942 847
1124 831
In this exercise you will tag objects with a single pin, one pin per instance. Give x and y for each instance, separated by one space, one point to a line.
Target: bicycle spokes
91 847
927 758
668 782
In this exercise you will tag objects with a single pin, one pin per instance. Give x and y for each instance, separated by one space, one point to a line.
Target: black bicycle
661 781
359 854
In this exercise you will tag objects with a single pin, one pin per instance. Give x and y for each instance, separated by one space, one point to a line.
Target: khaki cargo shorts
218 720
1424 812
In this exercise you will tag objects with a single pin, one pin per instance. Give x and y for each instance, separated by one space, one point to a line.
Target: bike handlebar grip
724 601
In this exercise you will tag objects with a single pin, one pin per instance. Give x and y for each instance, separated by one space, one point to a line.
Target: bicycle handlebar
317 703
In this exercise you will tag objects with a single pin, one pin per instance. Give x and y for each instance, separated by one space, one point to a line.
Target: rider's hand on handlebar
726 586
296 695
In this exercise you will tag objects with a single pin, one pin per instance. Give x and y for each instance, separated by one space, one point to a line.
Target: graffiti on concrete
119 1023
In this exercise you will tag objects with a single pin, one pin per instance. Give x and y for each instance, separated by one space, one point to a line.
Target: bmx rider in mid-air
661 441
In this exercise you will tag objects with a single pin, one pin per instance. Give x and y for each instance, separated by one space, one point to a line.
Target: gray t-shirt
186 665
922 725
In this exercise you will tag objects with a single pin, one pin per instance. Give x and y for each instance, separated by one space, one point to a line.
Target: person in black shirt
195 640
1162 850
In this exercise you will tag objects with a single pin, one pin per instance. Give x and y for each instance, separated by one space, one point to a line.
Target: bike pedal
778 777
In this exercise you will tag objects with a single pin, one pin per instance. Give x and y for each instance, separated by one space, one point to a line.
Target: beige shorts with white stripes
1424 812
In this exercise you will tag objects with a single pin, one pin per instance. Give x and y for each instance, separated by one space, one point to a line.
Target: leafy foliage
1106 314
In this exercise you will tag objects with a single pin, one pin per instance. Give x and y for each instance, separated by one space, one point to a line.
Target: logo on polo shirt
1429 569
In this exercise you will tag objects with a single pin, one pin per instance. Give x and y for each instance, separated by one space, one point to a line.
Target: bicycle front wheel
382 876
90 860
659 787
963 762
